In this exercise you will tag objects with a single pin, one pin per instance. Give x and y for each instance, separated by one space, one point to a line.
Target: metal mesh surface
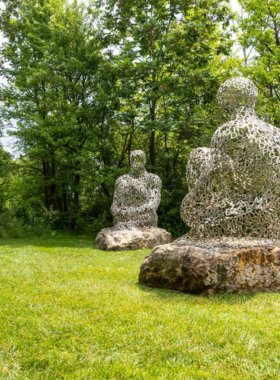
137 196
235 184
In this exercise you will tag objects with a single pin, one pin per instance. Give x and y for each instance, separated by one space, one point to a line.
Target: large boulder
110 239
199 270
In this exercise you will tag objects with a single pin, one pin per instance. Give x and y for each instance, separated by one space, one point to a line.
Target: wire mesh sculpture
235 184
137 196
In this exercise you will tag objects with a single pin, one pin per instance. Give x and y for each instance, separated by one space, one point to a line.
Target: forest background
82 85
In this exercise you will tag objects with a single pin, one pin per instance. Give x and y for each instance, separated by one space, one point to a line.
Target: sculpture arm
117 208
154 197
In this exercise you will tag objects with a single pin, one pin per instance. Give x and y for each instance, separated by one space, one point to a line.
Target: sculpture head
137 162
237 94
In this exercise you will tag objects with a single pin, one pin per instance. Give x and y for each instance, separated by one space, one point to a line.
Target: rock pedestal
110 239
205 271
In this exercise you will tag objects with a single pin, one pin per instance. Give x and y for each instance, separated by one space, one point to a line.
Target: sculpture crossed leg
134 208
232 207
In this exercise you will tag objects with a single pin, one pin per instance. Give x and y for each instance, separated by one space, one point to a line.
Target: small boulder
110 239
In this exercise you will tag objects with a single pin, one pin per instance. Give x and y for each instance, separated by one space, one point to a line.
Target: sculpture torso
134 190
253 148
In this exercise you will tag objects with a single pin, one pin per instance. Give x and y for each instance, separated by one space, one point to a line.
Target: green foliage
167 59
165 50
16 227
56 92
5 167
70 311
261 35
88 84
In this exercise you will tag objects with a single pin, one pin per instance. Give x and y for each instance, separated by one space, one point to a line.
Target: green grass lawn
71 311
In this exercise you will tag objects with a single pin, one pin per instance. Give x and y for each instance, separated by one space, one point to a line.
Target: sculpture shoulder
122 179
154 180
225 129
151 179
254 128
273 132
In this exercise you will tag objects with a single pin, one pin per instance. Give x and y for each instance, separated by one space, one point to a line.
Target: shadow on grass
65 242
52 242
230 299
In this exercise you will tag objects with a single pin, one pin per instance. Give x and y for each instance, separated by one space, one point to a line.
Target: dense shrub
13 227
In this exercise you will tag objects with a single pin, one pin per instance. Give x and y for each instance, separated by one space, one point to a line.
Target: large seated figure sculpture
136 200
233 208
236 194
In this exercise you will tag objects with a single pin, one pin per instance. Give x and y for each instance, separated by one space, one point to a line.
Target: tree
86 85
5 168
168 57
57 83
165 48
261 34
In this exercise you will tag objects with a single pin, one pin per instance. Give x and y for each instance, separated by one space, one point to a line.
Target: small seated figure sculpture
235 184
137 196
135 203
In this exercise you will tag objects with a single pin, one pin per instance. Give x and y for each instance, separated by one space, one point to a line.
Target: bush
13 227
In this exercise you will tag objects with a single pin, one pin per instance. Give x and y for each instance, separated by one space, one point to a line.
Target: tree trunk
152 137
105 189
129 148
152 150
46 187
65 202
53 186
76 207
